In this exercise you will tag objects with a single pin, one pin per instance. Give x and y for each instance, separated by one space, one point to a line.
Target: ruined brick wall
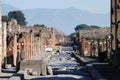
13 26
20 46
42 41
15 50
93 48
95 33
36 46
84 46
29 43
47 38
4 39
35 29
12 47
88 40
89 47
26 44
52 40
115 20
115 32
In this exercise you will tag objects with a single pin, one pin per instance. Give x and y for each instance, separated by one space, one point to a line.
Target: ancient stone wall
84 47
115 20
28 41
95 33
14 49
13 26
4 41
37 66
88 41
26 44
115 32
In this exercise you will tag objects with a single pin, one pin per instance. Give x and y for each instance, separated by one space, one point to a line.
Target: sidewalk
85 60
101 71
7 73
108 71
95 74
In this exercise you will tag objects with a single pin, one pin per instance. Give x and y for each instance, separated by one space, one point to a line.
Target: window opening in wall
118 6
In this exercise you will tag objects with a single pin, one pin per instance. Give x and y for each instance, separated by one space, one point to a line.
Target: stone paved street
59 40
7 73
65 67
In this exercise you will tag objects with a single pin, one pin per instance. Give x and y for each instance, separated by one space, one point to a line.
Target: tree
86 27
40 25
5 18
94 27
81 27
19 16
72 36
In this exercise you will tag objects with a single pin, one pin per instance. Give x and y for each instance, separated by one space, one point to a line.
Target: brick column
32 46
40 36
4 35
15 50
53 37
27 47
9 27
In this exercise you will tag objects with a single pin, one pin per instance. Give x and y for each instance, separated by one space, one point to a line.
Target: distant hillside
7 8
63 19
86 27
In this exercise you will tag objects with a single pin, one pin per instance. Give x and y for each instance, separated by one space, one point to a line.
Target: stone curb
18 76
94 73
83 62
91 70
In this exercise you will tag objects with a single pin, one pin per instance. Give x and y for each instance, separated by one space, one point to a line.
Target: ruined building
24 43
92 42
113 39
115 32
3 34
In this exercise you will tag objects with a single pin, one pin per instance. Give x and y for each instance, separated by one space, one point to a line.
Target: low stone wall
34 67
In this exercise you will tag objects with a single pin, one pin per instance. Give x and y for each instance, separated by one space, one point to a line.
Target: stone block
34 73
18 76
62 68
8 66
43 69
15 78
38 66
49 70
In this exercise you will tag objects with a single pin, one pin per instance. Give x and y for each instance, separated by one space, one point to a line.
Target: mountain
7 8
64 20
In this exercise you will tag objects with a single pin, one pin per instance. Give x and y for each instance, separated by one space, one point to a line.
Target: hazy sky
97 6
